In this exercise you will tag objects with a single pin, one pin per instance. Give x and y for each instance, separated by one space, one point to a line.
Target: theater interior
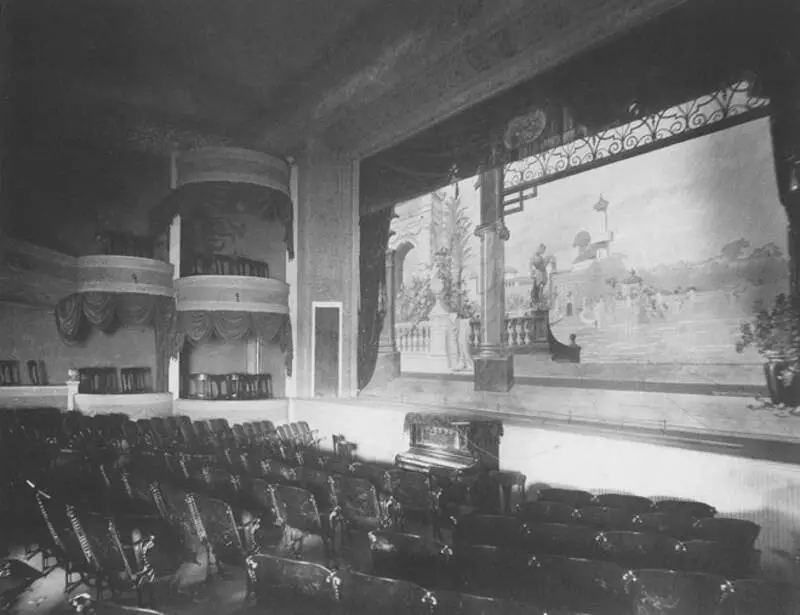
400 307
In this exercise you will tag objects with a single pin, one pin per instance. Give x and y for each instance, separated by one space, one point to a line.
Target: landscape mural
653 263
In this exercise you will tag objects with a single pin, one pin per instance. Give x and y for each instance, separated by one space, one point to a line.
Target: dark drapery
76 314
205 207
372 262
199 326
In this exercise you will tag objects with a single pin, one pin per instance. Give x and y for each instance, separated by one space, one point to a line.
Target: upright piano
451 443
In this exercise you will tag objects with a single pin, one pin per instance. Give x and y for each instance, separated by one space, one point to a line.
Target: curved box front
231 293
124 274
232 164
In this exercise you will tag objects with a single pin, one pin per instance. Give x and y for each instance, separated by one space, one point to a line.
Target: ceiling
184 68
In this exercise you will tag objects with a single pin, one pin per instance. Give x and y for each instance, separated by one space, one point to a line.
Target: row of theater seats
128 506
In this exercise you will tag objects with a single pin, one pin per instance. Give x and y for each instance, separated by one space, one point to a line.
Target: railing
221 264
413 338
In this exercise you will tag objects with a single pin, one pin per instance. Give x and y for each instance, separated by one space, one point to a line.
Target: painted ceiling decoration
664 65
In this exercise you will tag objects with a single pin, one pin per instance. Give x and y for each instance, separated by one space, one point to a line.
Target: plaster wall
29 332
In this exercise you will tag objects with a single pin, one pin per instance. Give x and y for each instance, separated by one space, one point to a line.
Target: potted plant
775 333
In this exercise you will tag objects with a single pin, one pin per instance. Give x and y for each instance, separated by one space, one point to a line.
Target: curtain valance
75 314
199 326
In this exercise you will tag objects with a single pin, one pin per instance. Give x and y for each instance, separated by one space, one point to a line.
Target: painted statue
541 267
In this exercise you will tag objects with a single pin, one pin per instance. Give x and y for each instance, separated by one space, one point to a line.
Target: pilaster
327 254
387 367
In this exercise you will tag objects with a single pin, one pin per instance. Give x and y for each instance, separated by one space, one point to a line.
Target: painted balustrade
413 338
521 333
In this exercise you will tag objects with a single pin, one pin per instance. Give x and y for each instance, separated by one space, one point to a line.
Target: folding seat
286 585
15 578
389 596
605 518
423 561
575 497
491 571
677 593
84 604
357 504
511 489
580 585
317 481
542 511
470 604
267 428
759 596
560 539
639 549
411 496
670 524
494 530
685 508
633 504
374 473
296 511
716 558
737 534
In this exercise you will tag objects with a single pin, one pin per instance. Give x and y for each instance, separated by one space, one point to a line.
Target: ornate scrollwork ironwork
723 107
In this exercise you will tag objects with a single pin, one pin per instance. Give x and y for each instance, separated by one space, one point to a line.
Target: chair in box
542 511
98 380
685 508
654 592
758 597
639 549
560 539
492 571
136 380
580 585
633 504
9 373
606 519
412 495
575 497
390 596
289 585
494 530
423 561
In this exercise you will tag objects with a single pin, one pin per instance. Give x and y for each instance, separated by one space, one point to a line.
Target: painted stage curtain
76 314
199 326
374 243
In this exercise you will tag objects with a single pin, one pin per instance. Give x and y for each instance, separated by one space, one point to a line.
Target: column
387 367
494 365
780 76
174 369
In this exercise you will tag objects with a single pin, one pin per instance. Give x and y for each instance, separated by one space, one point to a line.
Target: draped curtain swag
200 326
76 314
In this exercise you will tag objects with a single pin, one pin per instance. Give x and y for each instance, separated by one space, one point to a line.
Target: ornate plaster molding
232 164
498 226
124 274
231 293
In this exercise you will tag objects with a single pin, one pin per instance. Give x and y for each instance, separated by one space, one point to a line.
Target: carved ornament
498 226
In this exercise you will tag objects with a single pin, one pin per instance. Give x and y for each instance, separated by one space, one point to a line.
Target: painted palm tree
602 205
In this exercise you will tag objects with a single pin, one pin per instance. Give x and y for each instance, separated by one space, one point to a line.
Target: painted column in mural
388 356
494 366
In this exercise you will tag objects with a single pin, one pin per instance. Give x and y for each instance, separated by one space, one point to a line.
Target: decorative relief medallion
525 128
